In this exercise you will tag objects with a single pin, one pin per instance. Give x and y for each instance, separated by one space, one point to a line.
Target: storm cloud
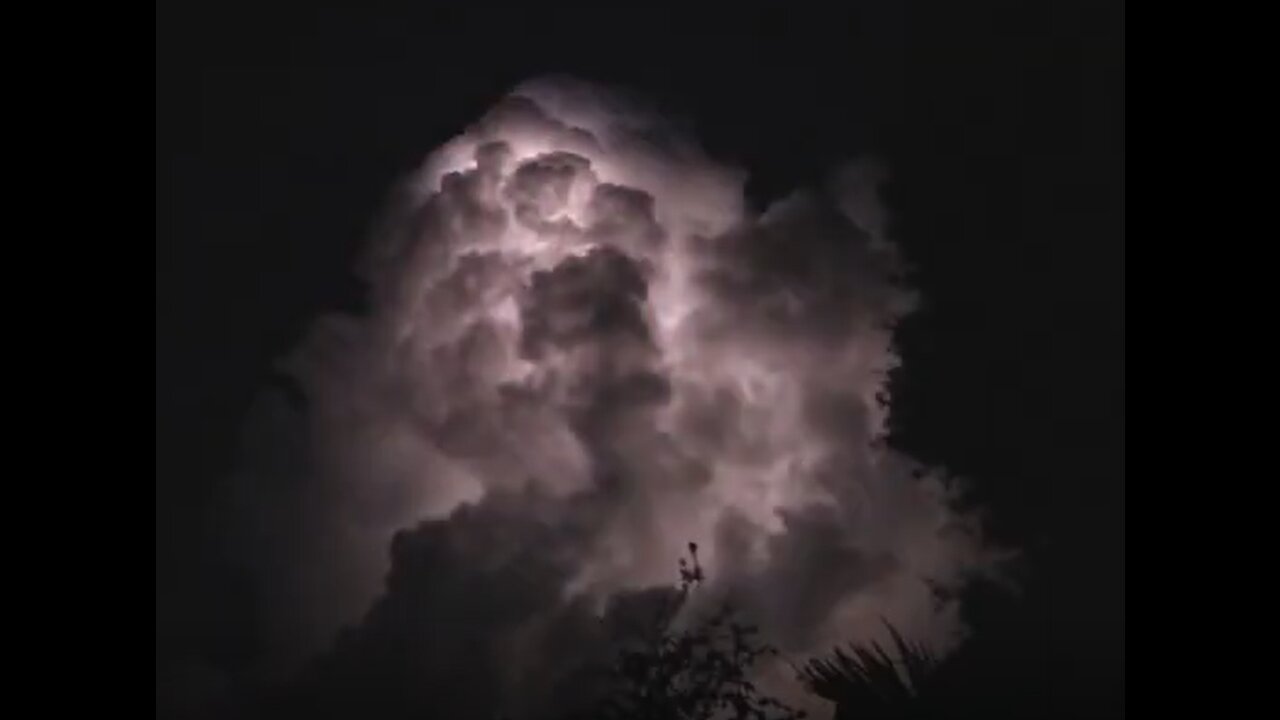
583 351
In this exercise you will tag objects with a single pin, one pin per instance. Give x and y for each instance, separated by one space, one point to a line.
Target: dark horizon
282 130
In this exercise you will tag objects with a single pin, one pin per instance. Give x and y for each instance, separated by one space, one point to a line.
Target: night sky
281 129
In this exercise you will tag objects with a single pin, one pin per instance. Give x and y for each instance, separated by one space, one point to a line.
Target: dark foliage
869 682
694 673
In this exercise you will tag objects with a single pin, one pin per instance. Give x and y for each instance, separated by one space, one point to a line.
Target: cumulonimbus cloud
583 350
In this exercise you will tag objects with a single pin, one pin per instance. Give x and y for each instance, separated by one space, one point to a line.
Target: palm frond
866 676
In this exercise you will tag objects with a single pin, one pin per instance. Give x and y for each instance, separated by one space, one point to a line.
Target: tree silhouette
700 672
868 682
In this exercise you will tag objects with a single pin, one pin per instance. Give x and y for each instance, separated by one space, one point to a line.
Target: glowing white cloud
573 303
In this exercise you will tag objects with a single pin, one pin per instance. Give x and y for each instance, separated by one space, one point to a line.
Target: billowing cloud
582 352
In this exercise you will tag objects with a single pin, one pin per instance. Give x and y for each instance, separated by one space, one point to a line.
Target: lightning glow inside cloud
584 351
